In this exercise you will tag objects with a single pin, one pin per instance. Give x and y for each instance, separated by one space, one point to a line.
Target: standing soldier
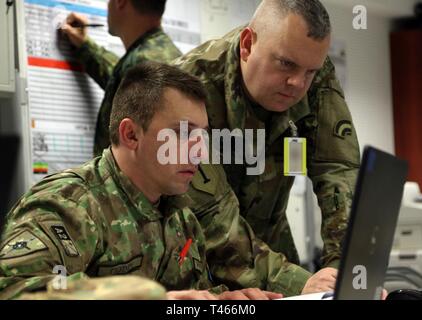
138 24
274 74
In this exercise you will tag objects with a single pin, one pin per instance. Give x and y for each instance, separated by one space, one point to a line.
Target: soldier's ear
129 134
246 41
120 4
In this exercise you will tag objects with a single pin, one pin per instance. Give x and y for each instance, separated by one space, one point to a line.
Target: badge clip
294 154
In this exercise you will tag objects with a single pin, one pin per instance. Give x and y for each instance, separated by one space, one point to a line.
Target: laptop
369 237
9 151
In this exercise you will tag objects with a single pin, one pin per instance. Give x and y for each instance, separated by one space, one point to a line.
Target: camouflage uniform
106 69
93 221
321 116
236 257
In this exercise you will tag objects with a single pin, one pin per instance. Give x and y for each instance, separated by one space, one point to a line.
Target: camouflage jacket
94 222
236 257
322 117
107 70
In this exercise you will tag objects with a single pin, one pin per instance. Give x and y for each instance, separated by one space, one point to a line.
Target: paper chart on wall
63 101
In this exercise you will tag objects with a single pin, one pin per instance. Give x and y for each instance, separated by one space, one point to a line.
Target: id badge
295 156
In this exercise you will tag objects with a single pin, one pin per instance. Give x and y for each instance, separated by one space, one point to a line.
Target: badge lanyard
294 154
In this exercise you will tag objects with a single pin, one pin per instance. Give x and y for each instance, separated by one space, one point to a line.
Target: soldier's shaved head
270 12
282 49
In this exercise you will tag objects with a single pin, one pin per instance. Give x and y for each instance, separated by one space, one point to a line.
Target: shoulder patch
343 128
64 238
21 245
206 179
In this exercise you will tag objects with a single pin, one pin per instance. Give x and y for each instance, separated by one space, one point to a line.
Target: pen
184 251
88 25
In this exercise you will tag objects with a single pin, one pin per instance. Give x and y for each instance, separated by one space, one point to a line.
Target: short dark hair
155 7
140 93
314 13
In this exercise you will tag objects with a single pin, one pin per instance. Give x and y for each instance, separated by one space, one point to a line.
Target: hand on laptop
322 281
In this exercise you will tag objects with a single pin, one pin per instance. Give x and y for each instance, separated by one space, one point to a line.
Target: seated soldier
117 215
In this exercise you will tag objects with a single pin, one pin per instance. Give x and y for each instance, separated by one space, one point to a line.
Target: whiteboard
63 101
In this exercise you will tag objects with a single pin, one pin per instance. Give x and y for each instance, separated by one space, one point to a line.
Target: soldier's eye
286 64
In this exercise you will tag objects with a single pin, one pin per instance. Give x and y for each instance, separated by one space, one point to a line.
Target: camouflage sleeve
80 287
97 61
44 238
334 160
235 256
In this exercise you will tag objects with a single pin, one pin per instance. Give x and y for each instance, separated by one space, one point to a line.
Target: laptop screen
373 218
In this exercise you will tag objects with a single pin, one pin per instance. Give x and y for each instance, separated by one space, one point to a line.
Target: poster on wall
63 101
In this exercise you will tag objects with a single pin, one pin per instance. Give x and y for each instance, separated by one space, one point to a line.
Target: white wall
220 16
369 89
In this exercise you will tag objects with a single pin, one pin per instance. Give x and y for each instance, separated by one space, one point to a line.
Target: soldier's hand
76 35
249 294
190 295
322 281
384 294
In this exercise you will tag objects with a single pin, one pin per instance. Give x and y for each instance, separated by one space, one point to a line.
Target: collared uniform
108 71
322 117
92 221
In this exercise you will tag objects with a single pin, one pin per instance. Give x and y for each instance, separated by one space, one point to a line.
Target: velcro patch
123 268
206 179
343 128
64 238
21 245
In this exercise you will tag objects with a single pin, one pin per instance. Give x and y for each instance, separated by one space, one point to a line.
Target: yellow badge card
295 157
